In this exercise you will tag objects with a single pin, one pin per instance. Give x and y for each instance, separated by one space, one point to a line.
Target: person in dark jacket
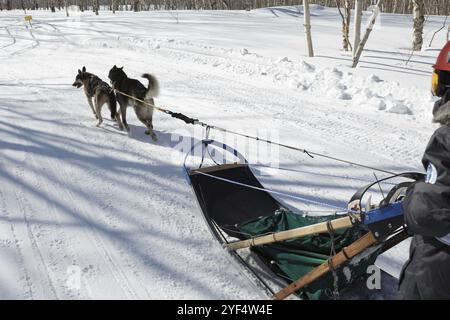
426 275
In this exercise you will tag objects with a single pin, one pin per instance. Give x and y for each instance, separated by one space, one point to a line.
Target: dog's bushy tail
153 85
112 104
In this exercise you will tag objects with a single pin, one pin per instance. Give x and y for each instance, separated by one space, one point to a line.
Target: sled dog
132 87
97 93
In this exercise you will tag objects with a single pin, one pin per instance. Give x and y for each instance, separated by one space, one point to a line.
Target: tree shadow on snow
53 148
24 131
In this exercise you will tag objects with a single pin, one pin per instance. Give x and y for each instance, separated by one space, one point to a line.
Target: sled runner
316 256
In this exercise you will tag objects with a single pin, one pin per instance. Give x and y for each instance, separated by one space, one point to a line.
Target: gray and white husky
97 92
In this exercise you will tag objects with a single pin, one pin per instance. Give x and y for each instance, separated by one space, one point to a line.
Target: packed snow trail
114 208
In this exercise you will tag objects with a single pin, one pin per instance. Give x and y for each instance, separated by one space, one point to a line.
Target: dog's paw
154 137
147 132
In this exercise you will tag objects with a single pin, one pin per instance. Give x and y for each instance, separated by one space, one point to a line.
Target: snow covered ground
113 209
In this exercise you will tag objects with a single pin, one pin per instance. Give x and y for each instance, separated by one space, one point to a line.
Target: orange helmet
440 81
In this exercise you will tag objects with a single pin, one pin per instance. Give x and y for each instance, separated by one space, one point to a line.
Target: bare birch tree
346 25
359 51
357 27
307 25
419 21
67 8
346 15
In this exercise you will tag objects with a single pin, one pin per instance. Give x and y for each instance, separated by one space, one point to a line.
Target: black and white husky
98 93
134 88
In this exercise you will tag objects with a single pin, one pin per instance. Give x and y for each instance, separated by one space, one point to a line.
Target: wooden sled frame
360 245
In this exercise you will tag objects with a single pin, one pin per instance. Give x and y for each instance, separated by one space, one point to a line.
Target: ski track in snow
111 264
115 205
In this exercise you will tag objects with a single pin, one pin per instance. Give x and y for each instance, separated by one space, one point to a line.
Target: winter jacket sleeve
427 204
427 210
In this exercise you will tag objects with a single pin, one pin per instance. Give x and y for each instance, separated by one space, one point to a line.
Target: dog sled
313 257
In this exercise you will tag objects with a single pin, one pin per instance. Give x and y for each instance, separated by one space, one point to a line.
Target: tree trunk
67 8
225 3
419 21
136 5
307 25
345 22
346 25
395 6
358 17
369 29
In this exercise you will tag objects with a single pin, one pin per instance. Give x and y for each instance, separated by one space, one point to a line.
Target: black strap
183 117
330 261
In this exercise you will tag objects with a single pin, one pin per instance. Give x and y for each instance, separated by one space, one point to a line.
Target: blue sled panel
383 213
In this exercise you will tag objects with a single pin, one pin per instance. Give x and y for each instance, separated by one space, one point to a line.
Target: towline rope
193 121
